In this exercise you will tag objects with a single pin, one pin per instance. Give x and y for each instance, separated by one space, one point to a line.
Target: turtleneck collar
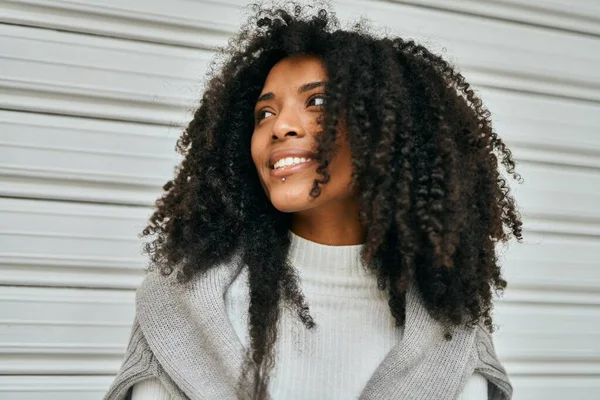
325 259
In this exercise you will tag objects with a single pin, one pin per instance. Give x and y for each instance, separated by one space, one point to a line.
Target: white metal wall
93 94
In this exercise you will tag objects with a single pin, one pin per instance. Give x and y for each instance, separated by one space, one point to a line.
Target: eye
317 100
262 114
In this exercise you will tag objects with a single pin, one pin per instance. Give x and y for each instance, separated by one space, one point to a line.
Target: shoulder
157 285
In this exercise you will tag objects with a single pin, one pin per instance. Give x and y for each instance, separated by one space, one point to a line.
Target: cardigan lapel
426 363
188 331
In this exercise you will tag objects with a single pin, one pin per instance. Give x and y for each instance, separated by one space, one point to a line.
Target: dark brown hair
425 162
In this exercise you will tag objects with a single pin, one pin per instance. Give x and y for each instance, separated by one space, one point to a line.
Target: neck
332 224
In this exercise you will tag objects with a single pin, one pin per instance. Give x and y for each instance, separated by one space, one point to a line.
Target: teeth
288 161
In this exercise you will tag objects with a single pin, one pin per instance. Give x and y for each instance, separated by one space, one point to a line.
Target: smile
290 161
296 164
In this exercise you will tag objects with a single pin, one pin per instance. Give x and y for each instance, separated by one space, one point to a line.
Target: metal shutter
93 94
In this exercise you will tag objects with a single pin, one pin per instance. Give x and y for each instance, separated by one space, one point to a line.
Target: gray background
93 94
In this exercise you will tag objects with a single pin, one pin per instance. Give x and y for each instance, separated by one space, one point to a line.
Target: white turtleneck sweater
354 332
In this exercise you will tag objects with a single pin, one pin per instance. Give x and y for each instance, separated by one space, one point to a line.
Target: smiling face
284 138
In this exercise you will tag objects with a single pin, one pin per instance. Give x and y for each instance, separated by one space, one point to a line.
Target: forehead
294 71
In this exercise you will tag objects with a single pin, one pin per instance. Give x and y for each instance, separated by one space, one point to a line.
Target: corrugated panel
560 193
491 52
54 157
69 244
546 340
208 24
98 77
54 331
184 23
57 157
112 106
89 245
576 15
93 325
546 129
550 262
53 388
556 387
531 342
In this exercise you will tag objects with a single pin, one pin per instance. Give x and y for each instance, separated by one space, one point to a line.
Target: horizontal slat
184 23
98 77
86 149
549 226
56 157
560 157
59 362
553 279
555 387
559 193
545 129
67 244
69 272
533 334
204 24
50 187
54 387
63 331
501 56
557 368
577 15
493 53
519 294
87 245
70 331
93 387
553 262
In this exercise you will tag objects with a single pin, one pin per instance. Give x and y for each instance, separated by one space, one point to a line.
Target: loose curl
425 162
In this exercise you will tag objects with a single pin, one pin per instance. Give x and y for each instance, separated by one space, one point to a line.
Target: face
284 138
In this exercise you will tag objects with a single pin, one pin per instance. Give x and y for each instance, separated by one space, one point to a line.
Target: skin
286 116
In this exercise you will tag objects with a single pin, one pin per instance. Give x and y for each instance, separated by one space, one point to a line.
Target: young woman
331 231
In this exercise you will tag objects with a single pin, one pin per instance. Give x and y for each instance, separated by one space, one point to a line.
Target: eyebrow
303 88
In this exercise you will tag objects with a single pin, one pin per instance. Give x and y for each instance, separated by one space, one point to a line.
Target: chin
292 208
290 200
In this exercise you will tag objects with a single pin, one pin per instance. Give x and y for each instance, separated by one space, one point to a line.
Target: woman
331 230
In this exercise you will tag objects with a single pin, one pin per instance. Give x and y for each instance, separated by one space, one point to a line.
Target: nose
287 124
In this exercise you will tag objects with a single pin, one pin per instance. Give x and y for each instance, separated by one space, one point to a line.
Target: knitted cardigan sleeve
138 365
488 364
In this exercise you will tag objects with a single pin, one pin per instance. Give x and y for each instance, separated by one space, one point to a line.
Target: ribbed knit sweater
355 329
343 358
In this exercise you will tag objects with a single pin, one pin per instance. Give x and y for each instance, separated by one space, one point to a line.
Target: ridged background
93 94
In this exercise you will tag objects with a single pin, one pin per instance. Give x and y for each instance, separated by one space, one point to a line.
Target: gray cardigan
182 336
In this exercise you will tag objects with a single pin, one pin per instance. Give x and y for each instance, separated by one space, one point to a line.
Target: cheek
256 150
341 167
339 186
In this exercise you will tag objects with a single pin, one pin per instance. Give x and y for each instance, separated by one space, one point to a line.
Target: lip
292 152
278 173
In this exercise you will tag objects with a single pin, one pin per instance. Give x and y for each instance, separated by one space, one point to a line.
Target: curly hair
433 201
